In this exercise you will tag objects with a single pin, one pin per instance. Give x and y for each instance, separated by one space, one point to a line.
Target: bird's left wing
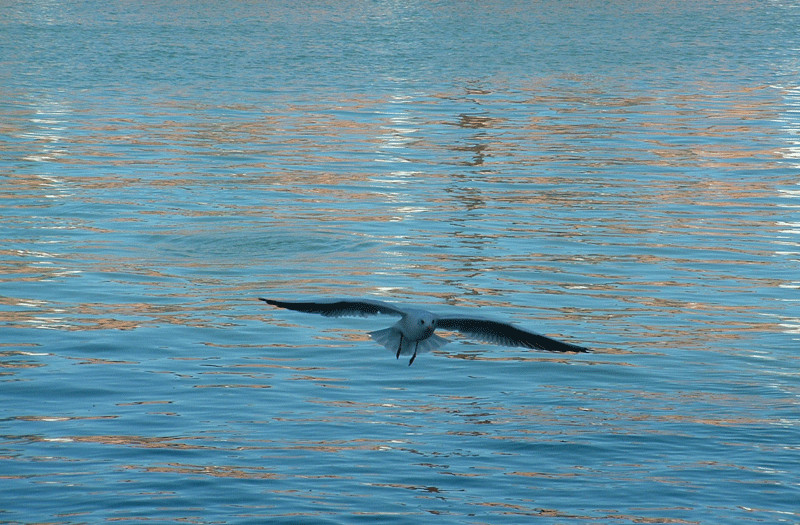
338 307
505 334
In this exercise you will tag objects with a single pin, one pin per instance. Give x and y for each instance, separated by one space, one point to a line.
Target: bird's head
427 323
418 324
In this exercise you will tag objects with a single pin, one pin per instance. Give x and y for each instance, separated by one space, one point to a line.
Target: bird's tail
390 339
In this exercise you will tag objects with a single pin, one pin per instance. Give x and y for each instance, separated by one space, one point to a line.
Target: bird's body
414 332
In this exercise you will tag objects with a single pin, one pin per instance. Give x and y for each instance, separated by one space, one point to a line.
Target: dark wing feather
338 307
505 334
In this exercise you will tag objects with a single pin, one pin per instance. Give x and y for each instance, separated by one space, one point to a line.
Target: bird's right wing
339 307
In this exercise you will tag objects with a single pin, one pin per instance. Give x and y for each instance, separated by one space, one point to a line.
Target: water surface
619 175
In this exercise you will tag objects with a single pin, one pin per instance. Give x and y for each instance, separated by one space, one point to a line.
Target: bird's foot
415 354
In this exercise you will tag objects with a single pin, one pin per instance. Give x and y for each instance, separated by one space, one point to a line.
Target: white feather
389 338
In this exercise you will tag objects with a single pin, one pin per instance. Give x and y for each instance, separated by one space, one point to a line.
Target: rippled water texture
621 175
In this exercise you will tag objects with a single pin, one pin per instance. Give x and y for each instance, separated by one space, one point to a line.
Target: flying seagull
414 331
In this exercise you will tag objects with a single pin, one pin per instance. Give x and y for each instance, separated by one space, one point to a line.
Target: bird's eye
422 321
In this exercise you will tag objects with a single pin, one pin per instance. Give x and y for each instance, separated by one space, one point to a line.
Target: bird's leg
400 347
415 354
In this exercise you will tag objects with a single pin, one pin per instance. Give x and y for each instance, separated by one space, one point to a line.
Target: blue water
620 175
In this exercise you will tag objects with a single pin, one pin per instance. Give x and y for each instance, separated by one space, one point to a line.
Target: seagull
413 333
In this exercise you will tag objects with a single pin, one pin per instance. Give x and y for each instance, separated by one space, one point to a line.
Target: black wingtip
554 345
578 349
269 301
575 349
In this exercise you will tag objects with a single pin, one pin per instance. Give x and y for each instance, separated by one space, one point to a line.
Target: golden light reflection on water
217 471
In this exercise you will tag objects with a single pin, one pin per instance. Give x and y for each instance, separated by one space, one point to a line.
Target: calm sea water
623 175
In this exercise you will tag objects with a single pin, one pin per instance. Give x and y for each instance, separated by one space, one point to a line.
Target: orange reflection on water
216 471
